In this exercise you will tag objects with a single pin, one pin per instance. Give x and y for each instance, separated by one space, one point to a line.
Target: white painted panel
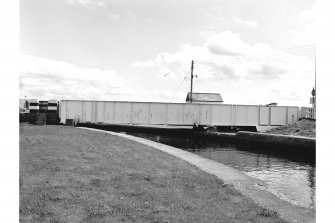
205 115
88 111
191 114
252 116
175 114
246 115
122 112
302 112
292 115
222 115
109 112
264 116
74 109
100 111
140 113
278 115
241 115
157 114
94 112
62 111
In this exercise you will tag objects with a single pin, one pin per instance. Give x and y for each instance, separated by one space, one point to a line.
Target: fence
311 113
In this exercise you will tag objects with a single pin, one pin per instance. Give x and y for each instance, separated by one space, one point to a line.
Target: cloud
226 43
306 19
222 55
143 64
306 16
176 64
89 4
266 72
45 78
114 16
249 23
224 71
249 73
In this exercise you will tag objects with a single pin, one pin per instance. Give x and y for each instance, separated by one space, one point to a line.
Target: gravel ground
302 128
74 175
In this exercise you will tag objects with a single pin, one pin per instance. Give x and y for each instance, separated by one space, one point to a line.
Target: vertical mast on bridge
192 66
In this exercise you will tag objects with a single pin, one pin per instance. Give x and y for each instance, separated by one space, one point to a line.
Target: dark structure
43 106
39 112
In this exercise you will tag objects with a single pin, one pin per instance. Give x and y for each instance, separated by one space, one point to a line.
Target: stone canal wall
279 140
283 141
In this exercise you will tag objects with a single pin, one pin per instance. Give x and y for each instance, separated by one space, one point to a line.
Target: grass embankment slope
74 175
304 127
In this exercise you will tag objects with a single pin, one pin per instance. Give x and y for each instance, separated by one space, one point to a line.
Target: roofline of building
204 101
202 93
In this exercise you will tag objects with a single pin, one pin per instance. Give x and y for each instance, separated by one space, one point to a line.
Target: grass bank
304 127
74 175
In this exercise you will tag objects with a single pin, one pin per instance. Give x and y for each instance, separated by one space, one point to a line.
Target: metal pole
192 65
315 83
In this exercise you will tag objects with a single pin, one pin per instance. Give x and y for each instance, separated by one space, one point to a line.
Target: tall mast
192 66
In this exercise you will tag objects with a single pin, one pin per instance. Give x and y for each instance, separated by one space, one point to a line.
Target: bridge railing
308 112
311 113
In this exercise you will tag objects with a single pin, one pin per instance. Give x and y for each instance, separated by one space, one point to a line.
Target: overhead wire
245 59
298 48
165 74
297 51
181 84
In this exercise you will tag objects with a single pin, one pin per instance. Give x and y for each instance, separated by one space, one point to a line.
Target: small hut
204 98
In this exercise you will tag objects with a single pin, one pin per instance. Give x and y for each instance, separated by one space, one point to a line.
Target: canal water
289 175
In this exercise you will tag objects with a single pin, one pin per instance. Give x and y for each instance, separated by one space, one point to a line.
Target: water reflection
289 175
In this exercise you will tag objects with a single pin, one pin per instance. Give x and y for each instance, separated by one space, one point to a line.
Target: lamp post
313 94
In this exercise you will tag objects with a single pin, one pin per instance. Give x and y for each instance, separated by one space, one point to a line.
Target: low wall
277 140
262 139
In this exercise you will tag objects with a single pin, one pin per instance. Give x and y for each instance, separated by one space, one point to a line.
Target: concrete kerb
256 189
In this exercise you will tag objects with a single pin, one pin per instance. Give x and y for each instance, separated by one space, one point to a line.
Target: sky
251 52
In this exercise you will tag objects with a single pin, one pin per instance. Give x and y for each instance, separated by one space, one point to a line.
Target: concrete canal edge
274 139
277 140
256 189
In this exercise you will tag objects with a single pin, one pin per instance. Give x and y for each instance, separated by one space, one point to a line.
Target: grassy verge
74 175
302 128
